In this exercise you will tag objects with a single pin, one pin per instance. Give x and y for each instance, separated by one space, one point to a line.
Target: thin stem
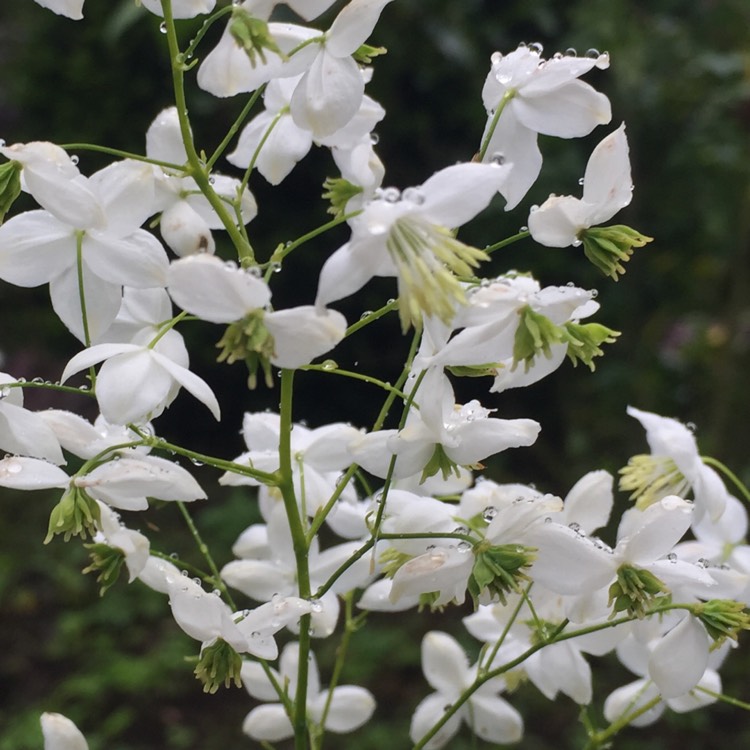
284 250
203 549
122 155
164 328
508 241
507 96
234 128
48 386
371 317
724 698
600 738
190 51
356 376
196 169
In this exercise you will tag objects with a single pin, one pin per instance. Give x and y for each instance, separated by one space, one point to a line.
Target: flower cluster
385 517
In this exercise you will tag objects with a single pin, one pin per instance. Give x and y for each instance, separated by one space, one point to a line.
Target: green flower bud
609 247
219 664
75 515
107 562
339 192
585 340
635 591
499 570
10 186
722 618
364 54
535 334
253 36
249 340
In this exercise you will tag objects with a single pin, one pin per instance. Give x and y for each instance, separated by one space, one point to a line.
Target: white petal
19 473
144 476
353 26
60 733
185 231
26 433
680 658
456 194
710 681
444 663
258 579
34 248
660 527
590 501
329 94
570 111
350 708
557 222
164 138
268 723
71 9
494 719
486 437
630 698
348 270
607 183
427 714
301 334
209 288
136 260
190 382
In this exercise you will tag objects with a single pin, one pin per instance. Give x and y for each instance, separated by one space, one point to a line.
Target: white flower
346 708
674 466
181 8
607 187
447 669
134 546
466 434
407 235
60 733
319 456
20 473
138 381
101 216
538 96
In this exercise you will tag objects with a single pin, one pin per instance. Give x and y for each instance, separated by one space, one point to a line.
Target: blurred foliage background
680 79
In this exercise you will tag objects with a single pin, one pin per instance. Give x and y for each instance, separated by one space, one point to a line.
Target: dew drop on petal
593 53
571 52
536 47
498 159
374 138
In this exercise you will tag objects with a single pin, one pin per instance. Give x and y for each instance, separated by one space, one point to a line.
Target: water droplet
196 462
216 592
255 634
173 556
522 45
374 138
536 47
594 293
593 53
73 159
581 181
576 243
533 208
498 159
575 527
365 314
571 52
315 605
463 547
197 580
691 426
557 56
184 573
460 530
702 563
255 271
672 557
413 195
13 467
489 513
163 27
329 364
524 228
548 519
37 380
391 195
496 57
211 180
275 267
2 142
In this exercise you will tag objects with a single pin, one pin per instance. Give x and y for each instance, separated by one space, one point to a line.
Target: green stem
203 548
234 128
48 386
164 328
371 317
263 477
508 241
284 250
600 739
82 299
190 51
507 96
196 169
724 698
356 376
301 552
729 474
122 155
